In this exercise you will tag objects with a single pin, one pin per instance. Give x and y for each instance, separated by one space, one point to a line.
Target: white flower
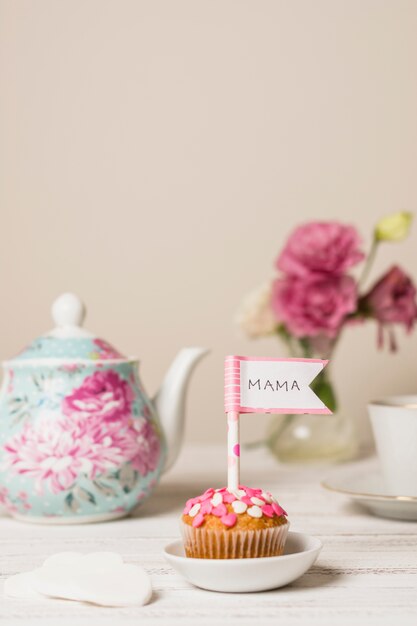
256 317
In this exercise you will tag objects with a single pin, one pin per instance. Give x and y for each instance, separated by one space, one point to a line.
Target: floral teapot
80 441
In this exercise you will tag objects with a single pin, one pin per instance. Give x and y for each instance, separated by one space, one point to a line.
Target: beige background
155 155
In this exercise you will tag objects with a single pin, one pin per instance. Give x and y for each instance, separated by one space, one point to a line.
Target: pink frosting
208 506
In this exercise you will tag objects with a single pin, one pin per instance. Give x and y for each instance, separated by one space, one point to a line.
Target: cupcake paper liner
201 543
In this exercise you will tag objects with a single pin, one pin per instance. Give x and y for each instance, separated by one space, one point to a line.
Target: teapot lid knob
68 310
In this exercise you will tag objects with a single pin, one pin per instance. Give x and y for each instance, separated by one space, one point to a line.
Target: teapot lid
68 340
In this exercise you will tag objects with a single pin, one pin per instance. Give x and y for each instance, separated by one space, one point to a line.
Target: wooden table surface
365 574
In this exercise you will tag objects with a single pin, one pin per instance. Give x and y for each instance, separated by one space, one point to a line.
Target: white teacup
394 423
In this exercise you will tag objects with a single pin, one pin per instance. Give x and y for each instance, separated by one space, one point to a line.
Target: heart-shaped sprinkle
229 519
198 520
254 511
277 509
217 499
268 510
239 507
220 510
194 510
240 493
189 504
266 496
229 498
257 501
206 507
206 496
247 500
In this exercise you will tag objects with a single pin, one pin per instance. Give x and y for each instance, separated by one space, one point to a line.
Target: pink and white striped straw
233 451
231 393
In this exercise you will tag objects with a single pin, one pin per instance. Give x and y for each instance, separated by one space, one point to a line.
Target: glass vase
314 438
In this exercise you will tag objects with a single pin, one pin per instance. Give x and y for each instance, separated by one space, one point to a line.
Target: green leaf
72 503
127 477
38 382
324 389
283 333
84 494
305 346
19 408
19 417
104 489
15 401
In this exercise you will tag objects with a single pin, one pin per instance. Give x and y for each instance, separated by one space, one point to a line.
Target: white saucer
368 489
243 575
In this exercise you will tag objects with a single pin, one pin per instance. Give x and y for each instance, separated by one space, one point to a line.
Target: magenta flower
392 300
314 307
104 395
320 247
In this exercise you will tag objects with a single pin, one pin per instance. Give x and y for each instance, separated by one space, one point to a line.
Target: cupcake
223 524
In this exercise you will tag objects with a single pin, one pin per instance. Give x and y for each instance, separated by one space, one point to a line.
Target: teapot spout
170 399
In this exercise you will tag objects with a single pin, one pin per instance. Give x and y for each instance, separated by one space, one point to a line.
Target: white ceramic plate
367 488
243 575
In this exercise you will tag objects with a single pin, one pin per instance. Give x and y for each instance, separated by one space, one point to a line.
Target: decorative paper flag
266 385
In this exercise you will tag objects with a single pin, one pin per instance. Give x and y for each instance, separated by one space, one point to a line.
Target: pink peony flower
392 300
104 394
56 452
47 454
320 247
318 306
